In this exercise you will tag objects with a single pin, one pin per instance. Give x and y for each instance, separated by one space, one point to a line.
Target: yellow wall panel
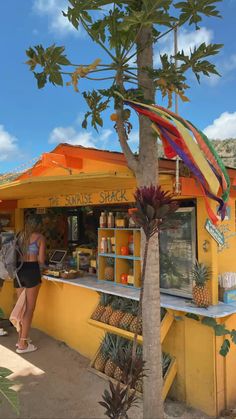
62 311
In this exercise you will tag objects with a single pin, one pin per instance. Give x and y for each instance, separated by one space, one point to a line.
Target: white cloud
230 64
8 145
71 136
85 138
105 135
53 10
134 137
222 127
186 41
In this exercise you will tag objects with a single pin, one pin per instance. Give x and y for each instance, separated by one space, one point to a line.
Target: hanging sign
214 232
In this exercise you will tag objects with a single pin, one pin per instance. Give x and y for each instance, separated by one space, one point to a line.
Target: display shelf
121 240
167 380
108 255
128 257
165 327
116 330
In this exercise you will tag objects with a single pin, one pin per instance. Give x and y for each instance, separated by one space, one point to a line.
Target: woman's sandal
29 348
3 332
28 340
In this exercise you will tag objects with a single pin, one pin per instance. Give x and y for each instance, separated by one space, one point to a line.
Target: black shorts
29 275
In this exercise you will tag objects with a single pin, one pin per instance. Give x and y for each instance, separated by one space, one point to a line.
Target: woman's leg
18 293
31 298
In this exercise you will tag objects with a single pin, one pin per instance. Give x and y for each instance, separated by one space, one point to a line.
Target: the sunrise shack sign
103 197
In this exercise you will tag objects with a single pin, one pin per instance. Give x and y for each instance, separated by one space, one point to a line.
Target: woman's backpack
11 258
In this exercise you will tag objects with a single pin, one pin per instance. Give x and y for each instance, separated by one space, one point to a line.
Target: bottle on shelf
103 220
110 220
131 244
103 245
109 245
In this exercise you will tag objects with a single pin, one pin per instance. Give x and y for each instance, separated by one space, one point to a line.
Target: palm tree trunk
145 168
148 174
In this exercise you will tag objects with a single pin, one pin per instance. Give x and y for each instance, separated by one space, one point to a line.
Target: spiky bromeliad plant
152 213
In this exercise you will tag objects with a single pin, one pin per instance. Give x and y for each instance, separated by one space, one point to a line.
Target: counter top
91 282
167 301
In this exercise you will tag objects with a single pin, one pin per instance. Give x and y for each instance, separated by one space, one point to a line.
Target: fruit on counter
201 274
109 270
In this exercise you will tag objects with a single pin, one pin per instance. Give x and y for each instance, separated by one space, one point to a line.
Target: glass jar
120 220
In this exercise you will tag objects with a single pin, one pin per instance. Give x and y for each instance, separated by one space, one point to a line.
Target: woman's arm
42 250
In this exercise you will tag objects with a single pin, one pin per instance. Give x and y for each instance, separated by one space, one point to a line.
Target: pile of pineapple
114 360
114 356
119 312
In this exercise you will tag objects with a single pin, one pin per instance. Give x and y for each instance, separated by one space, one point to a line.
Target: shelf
116 330
167 380
120 228
130 257
165 327
123 264
108 255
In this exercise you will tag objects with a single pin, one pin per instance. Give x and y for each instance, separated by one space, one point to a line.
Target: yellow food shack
76 190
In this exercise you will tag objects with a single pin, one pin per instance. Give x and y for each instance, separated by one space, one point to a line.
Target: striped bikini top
33 248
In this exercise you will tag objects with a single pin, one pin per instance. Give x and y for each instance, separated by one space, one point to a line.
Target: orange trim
8 205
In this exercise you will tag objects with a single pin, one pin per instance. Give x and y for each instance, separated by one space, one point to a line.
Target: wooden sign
214 232
103 197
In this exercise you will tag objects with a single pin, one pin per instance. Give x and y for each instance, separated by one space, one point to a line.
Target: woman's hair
33 224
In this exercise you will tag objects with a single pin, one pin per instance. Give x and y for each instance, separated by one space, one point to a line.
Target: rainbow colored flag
181 138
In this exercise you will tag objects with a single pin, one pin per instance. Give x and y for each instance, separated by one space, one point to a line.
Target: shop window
178 253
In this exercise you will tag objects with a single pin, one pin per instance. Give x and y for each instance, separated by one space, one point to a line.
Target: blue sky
33 121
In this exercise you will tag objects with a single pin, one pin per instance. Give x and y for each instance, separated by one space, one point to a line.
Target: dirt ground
54 383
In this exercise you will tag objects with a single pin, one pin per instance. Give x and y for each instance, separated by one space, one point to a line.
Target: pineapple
109 270
121 360
136 324
105 299
116 342
102 356
106 314
131 309
117 306
201 274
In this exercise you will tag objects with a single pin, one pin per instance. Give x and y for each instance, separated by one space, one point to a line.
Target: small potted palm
201 274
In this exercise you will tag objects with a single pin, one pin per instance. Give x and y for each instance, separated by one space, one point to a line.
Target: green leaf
192 316
6 391
233 336
225 347
209 321
220 330
194 10
4 372
41 79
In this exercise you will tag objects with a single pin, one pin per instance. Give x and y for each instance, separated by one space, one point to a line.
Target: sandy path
54 383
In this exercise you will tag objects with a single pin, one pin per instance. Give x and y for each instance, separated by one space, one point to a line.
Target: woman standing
32 244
